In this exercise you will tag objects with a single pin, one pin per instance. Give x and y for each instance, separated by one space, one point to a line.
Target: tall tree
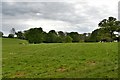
61 33
75 36
100 35
20 35
1 34
52 36
111 24
35 35
118 26
11 36
68 39
61 36
94 36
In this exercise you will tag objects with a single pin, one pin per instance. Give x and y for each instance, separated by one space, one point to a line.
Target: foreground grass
67 60
0 58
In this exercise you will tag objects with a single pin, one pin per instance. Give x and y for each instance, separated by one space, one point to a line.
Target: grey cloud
18 10
46 8
119 10
49 10
61 11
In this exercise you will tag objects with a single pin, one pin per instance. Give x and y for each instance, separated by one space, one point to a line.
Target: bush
11 36
1 34
68 39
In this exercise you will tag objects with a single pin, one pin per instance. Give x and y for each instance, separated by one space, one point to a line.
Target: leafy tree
60 39
75 36
61 35
100 35
45 36
68 39
11 36
84 36
87 37
118 26
1 34
52 36
81 37
35 35
20 35
94 36
110 25
118 30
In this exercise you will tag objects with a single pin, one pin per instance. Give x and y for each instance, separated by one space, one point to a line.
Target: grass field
64 60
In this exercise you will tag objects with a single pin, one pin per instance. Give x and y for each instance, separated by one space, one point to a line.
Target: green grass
65 60
0 58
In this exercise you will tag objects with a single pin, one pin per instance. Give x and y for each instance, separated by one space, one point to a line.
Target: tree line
105 32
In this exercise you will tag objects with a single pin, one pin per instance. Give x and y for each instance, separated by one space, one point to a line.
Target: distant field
64 60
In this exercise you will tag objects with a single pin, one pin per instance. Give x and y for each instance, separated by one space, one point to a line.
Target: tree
52 37
110 25
45 35
61 33
94 36
1 34
118 26
75 36
100 35
118 30
20 35
87 37
61 36
84 36
35 35
10 36
68 39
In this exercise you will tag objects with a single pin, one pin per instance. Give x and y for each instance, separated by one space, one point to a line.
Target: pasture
59 60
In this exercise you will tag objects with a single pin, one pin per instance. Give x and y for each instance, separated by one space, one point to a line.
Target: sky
80 16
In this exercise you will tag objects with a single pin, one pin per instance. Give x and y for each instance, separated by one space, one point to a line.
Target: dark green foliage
105 33
20 35
59 39
61 36
35 35
75 36
68 39
110 25
100 35
52 37
1 34
45 36
85 37
94 36
11 36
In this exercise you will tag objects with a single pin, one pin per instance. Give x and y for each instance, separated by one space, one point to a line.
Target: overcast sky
77 15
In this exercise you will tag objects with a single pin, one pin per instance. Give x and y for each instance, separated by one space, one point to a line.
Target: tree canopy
37 35
105 32
110 25
1 34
